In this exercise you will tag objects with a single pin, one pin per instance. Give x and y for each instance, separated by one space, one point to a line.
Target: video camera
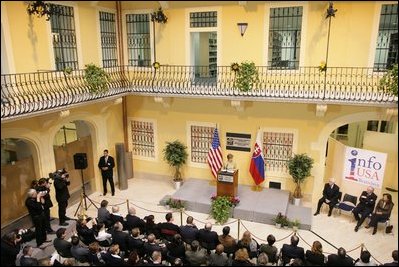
62 173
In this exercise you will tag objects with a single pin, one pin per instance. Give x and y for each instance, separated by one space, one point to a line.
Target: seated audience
10 247
218 258
132 221
330 196
156 259
27 259
249 243
395 259
176 249
168 229
112 257
121 238
151 245
189 232
364 259
382 211
95 257
339 259
150 226
292 251
86 234
103 237
365 207
135 242
315 256
116 216
79 252
133 259
196 255
241 258
208 239
103 215
270 249
62 246
228 242
263 260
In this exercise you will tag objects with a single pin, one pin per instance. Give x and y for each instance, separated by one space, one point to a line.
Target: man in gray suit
218 258
103 215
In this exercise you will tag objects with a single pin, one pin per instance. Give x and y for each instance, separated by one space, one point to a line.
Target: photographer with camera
34 202
44 186
61 183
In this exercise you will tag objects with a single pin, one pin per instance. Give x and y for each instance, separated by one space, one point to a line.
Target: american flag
215 159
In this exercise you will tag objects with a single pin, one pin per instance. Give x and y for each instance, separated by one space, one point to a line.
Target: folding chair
347 204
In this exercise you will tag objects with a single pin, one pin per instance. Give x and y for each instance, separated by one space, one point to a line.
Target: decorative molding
165 101
94 3
65 113
110 104
164 4
238 105
391 112
242 3
321 110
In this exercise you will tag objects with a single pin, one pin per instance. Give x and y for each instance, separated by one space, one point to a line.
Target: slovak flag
257 168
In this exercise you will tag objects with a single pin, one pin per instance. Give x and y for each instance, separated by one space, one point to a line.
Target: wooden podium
227 183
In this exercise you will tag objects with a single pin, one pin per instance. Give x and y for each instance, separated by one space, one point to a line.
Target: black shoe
113 194
316 213
356 228
50 232
374 230
329 213
104 194
64 224
68 219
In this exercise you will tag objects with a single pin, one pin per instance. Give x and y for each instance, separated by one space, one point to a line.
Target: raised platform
257 206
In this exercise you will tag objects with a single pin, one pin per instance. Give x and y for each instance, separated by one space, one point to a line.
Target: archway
19 167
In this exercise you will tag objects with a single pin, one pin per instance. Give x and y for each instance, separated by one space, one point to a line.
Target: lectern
227 183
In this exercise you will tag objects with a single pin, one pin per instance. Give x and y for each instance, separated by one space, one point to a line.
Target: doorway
204 56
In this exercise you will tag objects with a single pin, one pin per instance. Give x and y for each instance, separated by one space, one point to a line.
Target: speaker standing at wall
106 165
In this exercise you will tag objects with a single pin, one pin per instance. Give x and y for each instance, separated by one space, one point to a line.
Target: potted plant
295 224
246 75
279 220
172 203
389 82
175 154
221 209
96 78
299 167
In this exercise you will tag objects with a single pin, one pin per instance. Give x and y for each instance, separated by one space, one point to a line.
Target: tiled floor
145 194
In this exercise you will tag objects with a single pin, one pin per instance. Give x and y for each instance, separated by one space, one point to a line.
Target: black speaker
80 161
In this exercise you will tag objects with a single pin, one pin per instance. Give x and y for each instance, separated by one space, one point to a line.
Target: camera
62 173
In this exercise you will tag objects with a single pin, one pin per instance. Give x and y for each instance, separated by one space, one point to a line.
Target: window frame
113 11
302 50
130 145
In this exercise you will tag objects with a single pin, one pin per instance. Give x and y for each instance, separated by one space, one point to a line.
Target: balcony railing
28 93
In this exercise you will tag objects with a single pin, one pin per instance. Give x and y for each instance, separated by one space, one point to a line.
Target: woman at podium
230 165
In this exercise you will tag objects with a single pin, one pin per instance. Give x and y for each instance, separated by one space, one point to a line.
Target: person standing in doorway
106 165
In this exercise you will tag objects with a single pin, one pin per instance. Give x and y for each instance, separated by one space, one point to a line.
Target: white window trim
77 32
130 145
374 33
9 62
189 30
293 131
124 33
302 50
100 52
188 131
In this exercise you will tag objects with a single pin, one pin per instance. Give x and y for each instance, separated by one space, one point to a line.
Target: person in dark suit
120 238
34 203
207 238
189 232
365 207
135 242
61 183
10 247
292 251
62 246
106 165
340 259
168 229
44 186
112 257
132 221
26 259
103 215
330 196
395 259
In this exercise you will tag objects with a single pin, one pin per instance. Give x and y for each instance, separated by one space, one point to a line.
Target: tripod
84 196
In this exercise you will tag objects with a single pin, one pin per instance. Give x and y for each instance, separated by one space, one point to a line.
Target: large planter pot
177 184
297 201
278 225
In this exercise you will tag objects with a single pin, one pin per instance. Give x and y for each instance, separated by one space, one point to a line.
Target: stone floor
332 232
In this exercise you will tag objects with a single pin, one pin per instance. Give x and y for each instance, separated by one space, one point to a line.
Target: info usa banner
364 166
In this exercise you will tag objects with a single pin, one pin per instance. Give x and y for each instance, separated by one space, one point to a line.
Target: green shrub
220 209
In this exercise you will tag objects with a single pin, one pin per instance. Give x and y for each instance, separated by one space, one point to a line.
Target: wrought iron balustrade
27 93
